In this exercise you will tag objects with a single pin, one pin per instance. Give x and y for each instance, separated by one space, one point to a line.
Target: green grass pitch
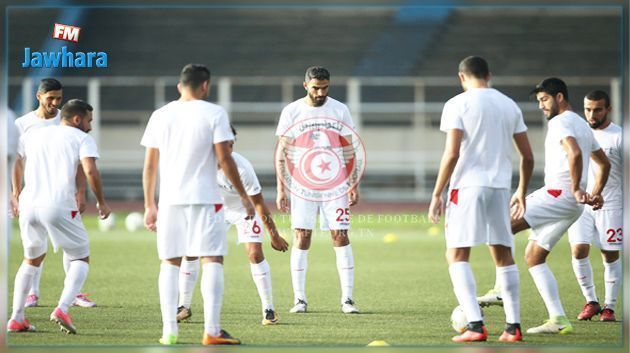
402 289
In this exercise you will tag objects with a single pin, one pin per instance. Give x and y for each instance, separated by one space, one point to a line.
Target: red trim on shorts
217 207
73 213
554 192
454 196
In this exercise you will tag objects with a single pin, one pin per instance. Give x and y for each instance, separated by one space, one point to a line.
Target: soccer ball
134 221
458 319
107 224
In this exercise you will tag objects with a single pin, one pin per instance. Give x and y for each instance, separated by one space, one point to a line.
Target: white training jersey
52 155
561 126
231 199
299 110
185 132
610 140
489 120
31 120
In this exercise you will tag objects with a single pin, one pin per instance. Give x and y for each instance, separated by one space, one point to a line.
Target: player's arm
81 188
574 156
149 182
224 156
349 154
277 242
282 201
17 176
601 177
517 204
93 177
447 165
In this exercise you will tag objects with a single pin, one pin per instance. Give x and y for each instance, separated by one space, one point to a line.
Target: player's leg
34 241
535 257
81 299
466 220
23 281
75 278
172 238
335 216
261 274
33 294
613 274
303 217
207 239
580 236
609 239
188 274
501 243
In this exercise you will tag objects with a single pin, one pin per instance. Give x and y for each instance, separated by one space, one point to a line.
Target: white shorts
64 226
549 213
249 231
334 215
604 228
191 230
478 215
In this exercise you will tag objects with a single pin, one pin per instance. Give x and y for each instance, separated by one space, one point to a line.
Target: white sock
167 285
508 279
36 279
212 293
465 289
345 267
548 289
262 278
299 264
75 277
584 275
612 281
188 274
66 263
23 281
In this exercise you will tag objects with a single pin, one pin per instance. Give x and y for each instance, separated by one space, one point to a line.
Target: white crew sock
299 264
261 274
612 281
167 285
509 281
75 278
188 274
548 289
23 281
345 267
36 279
584 275
212 283
465 289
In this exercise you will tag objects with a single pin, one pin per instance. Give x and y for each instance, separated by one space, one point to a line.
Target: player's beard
597 123
553 111
317 101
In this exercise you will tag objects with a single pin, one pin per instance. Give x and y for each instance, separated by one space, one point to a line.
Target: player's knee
580 251
256 257
610 256
35 261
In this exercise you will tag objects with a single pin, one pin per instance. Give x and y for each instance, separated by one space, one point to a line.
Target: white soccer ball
134 221
458 319
107 224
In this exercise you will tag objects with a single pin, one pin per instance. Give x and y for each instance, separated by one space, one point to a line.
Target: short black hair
193 75
316 72
598 95
552 86
49 84
75 107
475 66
